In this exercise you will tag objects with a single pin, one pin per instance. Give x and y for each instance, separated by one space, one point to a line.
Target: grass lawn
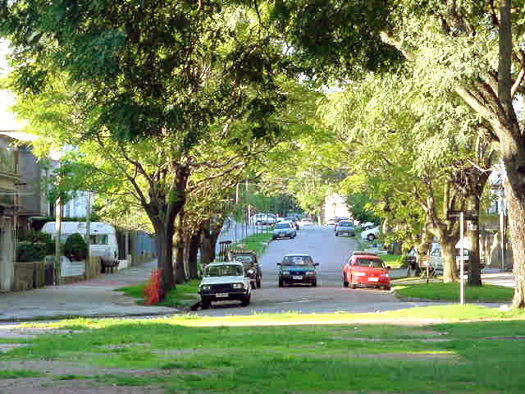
255 242
450 292
393 260
286 353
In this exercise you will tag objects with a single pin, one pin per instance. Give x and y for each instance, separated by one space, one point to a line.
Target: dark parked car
297 268
250 262
345 227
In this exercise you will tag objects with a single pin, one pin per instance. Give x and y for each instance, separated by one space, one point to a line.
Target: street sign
467 214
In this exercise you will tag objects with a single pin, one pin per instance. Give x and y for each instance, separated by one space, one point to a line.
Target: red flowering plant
153 292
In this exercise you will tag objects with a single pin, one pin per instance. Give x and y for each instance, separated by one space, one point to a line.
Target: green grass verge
393 260
255 242
450 292
17 374
305 353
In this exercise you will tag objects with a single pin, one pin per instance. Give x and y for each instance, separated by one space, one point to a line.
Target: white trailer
103 237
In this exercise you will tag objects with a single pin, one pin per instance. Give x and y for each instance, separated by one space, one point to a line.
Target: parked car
297 268
306 222
435 260
366 269
293 220
335 221
263 219
370 234
284 230
367 225
250 262
225 281
345 227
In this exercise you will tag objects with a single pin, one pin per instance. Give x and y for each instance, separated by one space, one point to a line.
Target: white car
225 281
306 222
371 234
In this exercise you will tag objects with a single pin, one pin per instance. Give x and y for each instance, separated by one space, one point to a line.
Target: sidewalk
91 298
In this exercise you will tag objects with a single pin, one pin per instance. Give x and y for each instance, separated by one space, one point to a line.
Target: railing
7 161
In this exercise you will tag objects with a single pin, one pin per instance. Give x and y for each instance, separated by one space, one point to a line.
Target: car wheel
370 237
352 285
281 284
336 234
314 283
205 303
345 282
246 300
258 284
387 288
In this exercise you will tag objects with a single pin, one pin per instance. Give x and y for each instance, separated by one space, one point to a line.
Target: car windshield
298 260
374 263
282 225
224 270
243 258
345 224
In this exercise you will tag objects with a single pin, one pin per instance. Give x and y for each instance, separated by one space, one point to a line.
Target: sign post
461 259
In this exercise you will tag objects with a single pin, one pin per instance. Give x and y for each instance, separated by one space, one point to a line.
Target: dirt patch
448 357
5 347
51 386
422 340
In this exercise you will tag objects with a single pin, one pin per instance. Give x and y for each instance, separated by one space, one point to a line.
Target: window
98 239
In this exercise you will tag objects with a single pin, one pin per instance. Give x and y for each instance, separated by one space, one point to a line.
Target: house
335 205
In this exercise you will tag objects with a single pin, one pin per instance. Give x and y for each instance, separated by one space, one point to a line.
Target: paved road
330 252
96 297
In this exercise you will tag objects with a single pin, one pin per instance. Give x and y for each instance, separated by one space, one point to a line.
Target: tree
406 153
475 50
145 86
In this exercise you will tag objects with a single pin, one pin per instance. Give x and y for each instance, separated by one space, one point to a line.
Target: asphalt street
97 298
329 296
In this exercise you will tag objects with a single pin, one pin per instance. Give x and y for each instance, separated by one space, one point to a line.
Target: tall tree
144 84
475 49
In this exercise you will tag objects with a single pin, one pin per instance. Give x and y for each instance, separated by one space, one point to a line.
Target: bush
75 247
26 237
30 251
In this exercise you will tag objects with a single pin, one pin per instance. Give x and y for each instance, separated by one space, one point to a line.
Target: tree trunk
514 159
215 231
180 272
448 253
472 235
205 244
164 237
192 244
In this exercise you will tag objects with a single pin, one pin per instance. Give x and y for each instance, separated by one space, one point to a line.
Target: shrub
36 237
153 290
30 251
75 247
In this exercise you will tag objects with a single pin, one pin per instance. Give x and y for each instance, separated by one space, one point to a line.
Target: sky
7 118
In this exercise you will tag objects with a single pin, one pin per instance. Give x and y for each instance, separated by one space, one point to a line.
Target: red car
366 269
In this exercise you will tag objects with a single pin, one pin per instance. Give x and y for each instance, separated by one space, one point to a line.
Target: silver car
284 230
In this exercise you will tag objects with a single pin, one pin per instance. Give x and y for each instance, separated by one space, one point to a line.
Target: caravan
102 236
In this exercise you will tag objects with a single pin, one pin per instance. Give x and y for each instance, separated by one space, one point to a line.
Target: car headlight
286 272
310 273
238 286
385 275
360 274
206 287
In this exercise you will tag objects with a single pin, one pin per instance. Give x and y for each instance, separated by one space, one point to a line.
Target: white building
335 205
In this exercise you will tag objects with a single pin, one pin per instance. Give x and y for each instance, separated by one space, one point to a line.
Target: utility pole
88 224
58 223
